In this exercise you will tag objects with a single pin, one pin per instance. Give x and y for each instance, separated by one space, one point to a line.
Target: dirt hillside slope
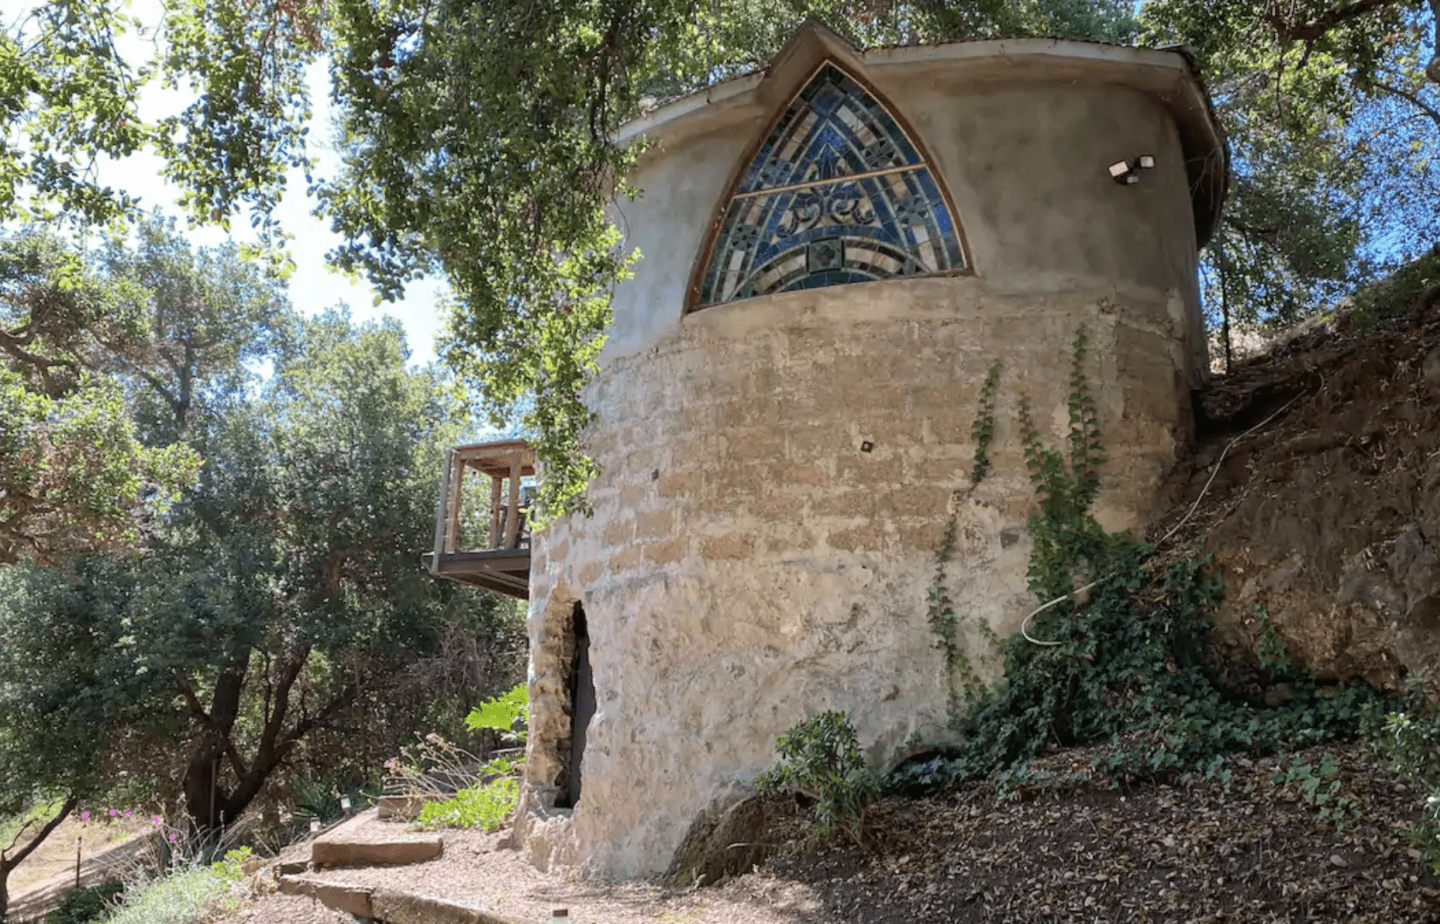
1326 520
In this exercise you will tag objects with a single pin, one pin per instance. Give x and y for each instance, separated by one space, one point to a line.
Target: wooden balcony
498 560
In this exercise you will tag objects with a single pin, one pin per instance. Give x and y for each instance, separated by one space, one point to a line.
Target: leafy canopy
475 141
281 594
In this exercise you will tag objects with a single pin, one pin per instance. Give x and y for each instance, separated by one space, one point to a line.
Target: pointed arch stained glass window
837 193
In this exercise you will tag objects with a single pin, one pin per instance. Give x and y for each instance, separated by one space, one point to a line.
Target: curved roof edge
1169 75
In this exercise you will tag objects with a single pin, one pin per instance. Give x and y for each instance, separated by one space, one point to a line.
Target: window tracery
837 193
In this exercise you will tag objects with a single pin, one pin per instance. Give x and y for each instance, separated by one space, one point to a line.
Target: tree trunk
211 803
9 861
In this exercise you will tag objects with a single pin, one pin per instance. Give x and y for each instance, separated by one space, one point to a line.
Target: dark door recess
582 708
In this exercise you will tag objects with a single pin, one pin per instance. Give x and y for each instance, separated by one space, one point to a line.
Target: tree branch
1430 111
1315 28
8 863
199 714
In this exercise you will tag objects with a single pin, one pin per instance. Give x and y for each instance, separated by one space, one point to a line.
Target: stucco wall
747 563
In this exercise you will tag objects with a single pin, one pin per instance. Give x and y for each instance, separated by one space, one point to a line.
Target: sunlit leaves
1333 131
477 140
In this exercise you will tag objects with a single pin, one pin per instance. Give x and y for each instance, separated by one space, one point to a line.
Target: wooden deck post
441 514
457 484
494 538
512 519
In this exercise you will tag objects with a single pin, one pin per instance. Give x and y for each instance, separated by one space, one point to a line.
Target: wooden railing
501 561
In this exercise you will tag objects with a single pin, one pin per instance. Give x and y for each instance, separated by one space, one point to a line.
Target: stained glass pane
837 193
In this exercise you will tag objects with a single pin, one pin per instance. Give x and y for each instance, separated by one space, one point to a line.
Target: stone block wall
748 562
777 473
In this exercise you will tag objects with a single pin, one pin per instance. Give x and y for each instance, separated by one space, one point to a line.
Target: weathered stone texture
769 554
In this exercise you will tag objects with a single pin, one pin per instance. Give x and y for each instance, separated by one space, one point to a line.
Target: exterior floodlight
345 804
1124 172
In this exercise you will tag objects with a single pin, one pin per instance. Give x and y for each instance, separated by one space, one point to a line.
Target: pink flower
113 813
127 814
155 820
84 815
172 837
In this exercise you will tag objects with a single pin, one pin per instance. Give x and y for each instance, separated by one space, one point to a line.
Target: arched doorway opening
580 684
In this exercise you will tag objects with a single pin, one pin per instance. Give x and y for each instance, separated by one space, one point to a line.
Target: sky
313 286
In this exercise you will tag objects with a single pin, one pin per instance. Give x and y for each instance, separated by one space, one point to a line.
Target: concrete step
386 906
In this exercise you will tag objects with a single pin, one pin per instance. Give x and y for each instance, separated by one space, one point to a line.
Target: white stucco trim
1148 69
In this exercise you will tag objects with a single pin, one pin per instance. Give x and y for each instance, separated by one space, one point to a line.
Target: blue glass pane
852 201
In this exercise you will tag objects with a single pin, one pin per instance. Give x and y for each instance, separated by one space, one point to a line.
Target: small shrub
820 759
506 714
185 896
1408 741
433 767
88 905
1320 786
486 805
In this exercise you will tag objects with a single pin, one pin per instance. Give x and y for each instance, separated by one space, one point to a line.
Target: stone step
340 852
406 807
386 906
339 896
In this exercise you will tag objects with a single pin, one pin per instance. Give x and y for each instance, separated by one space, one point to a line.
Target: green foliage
503 713
1320 786
186 895
1134 668
1408 741
1271 655
487 805
87 905
477 142
281 595
231 867
75 475
982 431
482 144
1070 547
820 759
1333 127
1398 292
944 620
319 797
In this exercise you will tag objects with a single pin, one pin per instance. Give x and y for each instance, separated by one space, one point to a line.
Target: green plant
321 798
87 905
433 767
1408 741
506 713
1271 654
820 759
1396 293
982 431
186 895
1320 786
943 618
1133 667
1069 545
487 805
231 867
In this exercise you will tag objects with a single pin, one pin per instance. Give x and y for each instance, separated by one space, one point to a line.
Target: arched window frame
694 300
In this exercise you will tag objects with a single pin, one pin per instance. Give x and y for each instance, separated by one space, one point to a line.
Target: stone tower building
835 250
